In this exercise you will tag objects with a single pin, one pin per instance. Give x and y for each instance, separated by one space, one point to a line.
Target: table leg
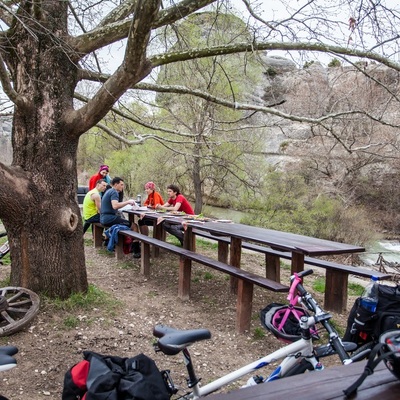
223 250
297 262
234 260
158 233
273 267
185 267
336 291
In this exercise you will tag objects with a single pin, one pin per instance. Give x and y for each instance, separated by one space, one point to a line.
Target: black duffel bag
100 377
364 326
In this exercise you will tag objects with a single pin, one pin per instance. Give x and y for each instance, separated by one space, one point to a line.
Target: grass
258 333
81 302
94 298
355 289
5 282
319 285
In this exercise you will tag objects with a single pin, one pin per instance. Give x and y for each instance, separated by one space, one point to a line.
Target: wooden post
244 306
157 234
273 267
297 262
145 260
336 290
185 267
119 249
223 250
235 258
97 235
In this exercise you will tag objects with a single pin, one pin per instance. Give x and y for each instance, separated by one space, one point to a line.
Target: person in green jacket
92 203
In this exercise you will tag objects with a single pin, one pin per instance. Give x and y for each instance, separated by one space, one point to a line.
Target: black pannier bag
364 326
101 377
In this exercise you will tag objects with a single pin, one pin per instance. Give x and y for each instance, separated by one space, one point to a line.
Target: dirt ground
123 325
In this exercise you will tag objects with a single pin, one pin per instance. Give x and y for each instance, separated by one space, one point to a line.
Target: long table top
324 385
280 240
284 241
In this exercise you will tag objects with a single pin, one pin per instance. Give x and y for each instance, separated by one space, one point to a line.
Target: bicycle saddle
171 341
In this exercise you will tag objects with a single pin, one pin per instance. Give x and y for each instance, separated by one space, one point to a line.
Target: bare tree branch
8 88
110 33
163 59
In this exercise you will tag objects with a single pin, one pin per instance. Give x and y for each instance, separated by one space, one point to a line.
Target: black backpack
364 326
100 377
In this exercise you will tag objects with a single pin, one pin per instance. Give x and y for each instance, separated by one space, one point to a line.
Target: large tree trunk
39 208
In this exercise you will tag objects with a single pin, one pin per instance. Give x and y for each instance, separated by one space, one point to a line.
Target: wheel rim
18 307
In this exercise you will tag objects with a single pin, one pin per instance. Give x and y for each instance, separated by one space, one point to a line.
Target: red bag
127 245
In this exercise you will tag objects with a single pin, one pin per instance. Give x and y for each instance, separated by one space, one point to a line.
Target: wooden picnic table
323 385
299 245
233 237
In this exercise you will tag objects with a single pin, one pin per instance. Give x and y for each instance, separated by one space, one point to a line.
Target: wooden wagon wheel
18 307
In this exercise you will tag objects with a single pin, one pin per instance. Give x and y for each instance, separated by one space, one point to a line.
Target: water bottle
254 380
369 298
139 200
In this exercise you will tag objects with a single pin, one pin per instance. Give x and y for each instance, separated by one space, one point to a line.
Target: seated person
176 202
110 204
153 199
102 174
92 203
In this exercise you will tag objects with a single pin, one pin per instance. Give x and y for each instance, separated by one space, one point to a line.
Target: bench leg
185 273
336 291
97 235
119 249
244 306
235 258
273 268
145 260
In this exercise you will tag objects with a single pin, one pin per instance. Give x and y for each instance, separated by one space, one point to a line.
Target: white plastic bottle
369 299
254 380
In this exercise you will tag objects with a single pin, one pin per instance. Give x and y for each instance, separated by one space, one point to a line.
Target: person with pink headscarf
153 199
102 174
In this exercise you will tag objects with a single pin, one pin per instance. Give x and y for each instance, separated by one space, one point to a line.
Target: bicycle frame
290 353
293 355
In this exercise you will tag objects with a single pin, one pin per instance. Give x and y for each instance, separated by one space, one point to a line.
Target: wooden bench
246 280
336 276
98 229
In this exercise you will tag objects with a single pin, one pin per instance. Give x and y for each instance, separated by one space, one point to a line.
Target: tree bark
38 192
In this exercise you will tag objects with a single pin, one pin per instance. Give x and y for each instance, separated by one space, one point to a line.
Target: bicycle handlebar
313 306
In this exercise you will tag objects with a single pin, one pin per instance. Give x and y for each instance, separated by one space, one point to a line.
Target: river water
390 249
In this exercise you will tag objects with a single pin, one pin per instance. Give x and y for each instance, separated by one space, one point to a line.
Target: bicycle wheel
18 307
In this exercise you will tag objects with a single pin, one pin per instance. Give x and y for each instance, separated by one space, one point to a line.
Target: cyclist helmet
391 351
283 321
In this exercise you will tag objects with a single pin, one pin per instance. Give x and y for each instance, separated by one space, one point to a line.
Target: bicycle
7 360
297 357
4 248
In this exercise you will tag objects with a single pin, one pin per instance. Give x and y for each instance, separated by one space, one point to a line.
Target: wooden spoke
18 308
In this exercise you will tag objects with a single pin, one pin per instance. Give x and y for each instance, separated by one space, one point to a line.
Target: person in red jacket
176 202
102 174
153 199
